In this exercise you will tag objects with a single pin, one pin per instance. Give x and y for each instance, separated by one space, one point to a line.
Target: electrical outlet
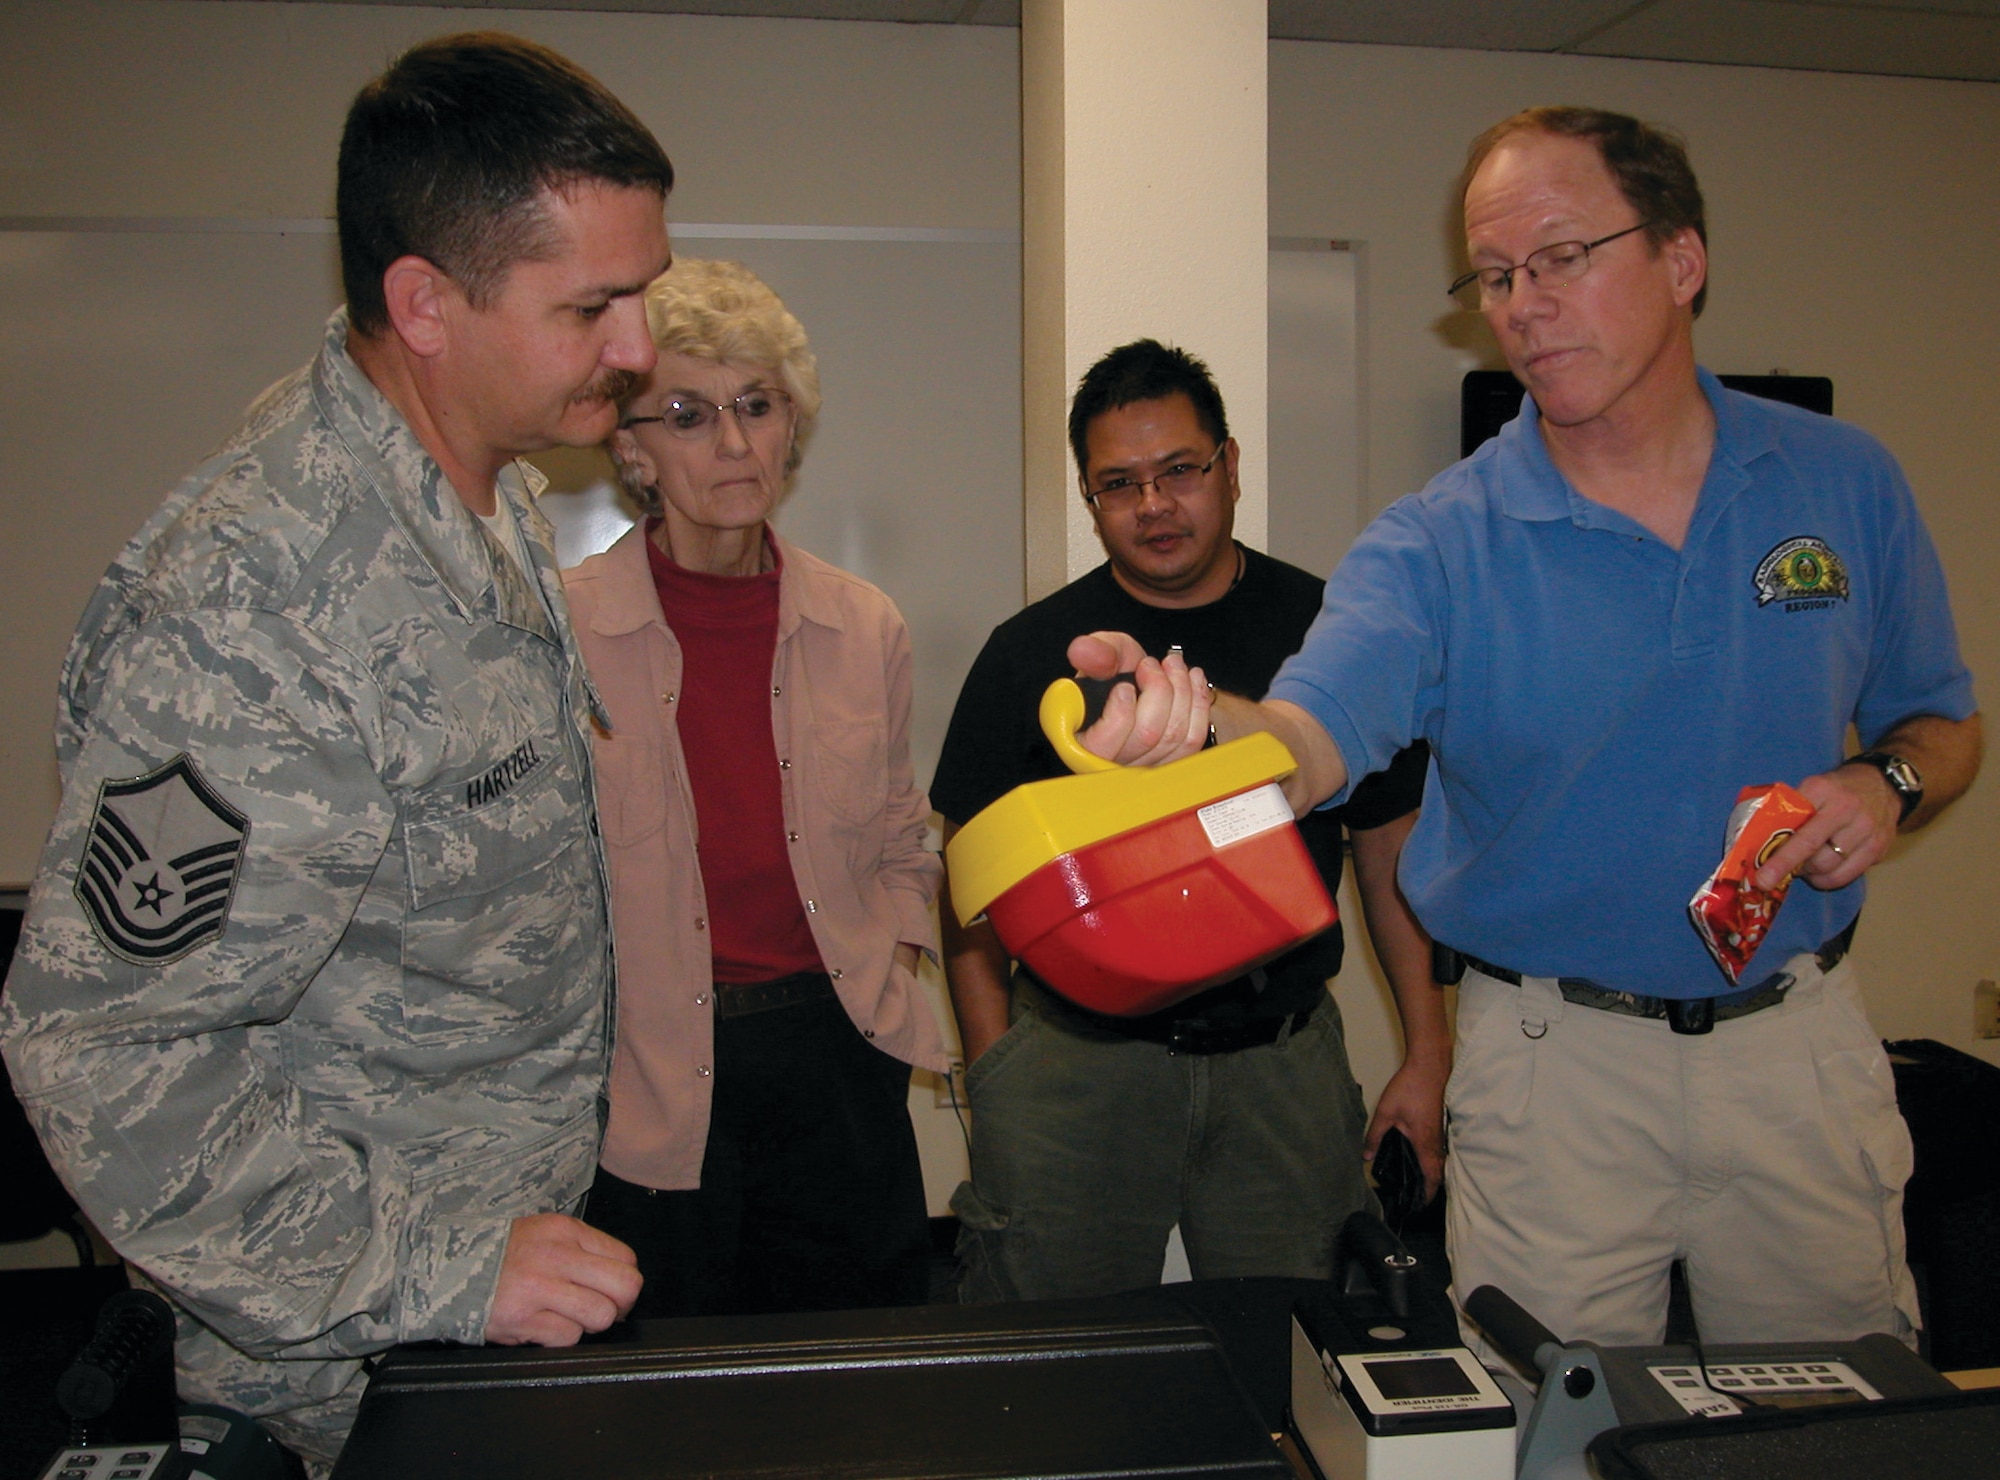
950 1084
1986 1010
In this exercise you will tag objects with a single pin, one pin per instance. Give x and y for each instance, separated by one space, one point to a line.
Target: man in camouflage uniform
310 1006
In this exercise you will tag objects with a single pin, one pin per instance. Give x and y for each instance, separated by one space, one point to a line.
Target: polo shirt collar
1745 429
1533 489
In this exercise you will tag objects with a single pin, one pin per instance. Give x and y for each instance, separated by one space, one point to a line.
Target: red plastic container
1137 922
1129 889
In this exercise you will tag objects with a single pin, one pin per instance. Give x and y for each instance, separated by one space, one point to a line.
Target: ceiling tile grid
1955 39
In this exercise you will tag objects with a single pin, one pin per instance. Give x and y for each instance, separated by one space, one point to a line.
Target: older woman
771 887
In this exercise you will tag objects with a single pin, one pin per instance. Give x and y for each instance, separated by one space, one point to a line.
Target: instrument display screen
1420 1377
1433 1388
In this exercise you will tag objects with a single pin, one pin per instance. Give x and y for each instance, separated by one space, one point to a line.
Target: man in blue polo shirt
1647 593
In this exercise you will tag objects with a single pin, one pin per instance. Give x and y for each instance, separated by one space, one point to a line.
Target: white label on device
1245 815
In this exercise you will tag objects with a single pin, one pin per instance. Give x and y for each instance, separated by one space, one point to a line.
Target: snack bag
1731 912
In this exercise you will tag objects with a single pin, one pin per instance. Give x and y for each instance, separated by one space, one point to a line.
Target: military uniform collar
477 577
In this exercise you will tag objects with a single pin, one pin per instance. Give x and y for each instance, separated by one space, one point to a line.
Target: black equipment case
1057 1388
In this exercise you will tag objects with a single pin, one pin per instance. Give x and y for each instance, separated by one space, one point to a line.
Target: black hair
1144 370
449 155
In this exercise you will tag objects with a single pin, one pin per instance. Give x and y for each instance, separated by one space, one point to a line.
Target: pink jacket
840 713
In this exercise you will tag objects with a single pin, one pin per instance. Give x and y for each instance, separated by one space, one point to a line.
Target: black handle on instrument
1097 692
135 1328
1374 1258
1518 1335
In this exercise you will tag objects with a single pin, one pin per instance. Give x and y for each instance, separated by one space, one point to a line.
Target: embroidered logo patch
160 864
1803 573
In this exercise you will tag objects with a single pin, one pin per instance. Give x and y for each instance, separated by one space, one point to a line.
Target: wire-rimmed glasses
691 416
1176 482
1550 267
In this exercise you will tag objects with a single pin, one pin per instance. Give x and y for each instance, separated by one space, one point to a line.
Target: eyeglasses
1551 267
1177 482
692 417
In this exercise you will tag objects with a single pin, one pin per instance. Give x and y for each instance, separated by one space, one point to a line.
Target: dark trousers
811 1195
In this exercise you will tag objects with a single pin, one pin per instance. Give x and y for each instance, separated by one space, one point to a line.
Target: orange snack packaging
1732 914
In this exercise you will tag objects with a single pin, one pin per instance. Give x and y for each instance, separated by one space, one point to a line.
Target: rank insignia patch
160 864
1803 573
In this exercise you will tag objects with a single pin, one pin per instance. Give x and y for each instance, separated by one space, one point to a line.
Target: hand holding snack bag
1732 914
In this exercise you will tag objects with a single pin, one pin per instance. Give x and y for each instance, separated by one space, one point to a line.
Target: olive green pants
1088 1147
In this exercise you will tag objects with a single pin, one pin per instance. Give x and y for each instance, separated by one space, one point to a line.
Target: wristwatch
1903 778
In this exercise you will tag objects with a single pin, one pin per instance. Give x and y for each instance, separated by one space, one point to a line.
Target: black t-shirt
995 742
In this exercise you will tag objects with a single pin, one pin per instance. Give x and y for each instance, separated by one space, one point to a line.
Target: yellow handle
1061 713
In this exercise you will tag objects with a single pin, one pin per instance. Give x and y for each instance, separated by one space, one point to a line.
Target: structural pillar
1144 128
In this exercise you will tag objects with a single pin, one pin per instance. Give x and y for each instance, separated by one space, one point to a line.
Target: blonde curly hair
715 310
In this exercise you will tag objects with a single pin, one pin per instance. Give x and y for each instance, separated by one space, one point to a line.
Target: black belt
740 999
1683 1014
1193 1035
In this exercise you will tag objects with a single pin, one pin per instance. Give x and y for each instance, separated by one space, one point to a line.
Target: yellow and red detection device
1129 888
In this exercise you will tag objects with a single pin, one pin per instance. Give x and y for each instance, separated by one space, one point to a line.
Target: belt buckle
1691 1016
1189 1036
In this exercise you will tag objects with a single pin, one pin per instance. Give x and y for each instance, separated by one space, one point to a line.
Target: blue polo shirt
1594 699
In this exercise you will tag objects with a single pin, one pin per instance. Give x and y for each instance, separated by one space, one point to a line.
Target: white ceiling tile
933 12
1917 38
1817 36
1481 25
1933 7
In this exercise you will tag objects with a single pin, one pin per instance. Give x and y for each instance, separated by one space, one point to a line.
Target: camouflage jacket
311 997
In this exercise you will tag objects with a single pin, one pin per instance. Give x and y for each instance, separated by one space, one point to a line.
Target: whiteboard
132 351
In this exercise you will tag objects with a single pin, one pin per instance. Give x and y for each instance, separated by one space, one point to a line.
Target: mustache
614 385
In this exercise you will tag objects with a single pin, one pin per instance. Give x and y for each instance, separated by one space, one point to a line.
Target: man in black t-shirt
1233 1114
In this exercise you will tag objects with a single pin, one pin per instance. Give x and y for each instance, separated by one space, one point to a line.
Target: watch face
1903 778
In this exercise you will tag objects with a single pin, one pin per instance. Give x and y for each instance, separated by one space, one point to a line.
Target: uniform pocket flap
474 836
